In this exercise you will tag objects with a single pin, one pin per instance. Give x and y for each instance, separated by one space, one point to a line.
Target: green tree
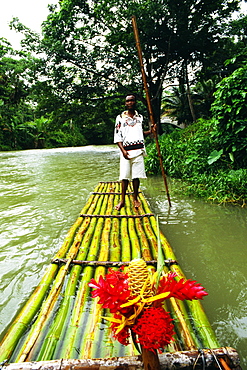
38 131
203 93
90 49
175 103
16 78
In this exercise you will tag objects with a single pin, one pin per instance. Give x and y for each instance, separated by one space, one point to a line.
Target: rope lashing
112 193
201 355
168 262
118 216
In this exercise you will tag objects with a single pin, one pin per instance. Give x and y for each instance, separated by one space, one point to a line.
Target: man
129 137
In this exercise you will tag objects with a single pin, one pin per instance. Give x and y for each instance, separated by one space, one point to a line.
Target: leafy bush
63 139
192 155
229 112
184 152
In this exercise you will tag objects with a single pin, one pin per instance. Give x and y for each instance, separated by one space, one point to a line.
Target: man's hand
125 154
153 128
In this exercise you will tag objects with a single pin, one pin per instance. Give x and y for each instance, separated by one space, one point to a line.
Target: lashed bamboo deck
61 321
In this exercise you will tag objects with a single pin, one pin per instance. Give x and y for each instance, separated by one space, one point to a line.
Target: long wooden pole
150 109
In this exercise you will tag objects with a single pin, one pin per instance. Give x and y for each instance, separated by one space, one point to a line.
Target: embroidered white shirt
129 131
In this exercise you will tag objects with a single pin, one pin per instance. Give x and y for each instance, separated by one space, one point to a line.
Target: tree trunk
188 91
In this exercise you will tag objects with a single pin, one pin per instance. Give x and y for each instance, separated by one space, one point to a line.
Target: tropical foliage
88 52
229 112
198 156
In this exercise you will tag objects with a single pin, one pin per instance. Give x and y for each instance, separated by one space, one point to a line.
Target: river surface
42 193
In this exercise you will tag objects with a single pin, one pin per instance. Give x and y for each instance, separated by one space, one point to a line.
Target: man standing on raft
129 137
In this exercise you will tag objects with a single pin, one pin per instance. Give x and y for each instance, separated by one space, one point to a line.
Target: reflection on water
42 193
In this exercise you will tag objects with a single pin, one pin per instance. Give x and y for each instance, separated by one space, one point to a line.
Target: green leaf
214 156
231 157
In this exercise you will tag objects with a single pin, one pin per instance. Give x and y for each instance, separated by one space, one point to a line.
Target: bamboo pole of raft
55 332
105 335
135 244
150 358
117 252
75 327
87 343
195 309
150 109
75 332
125 240
92 325
95 237
44 314
125 253
147 237
101 334
145 250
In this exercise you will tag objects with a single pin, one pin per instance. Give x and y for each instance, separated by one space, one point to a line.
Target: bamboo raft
60 326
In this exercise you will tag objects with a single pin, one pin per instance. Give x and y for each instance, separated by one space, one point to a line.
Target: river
42 193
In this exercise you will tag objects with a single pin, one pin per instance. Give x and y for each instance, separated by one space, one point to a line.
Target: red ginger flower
112 290
123 335
182 289
154 328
